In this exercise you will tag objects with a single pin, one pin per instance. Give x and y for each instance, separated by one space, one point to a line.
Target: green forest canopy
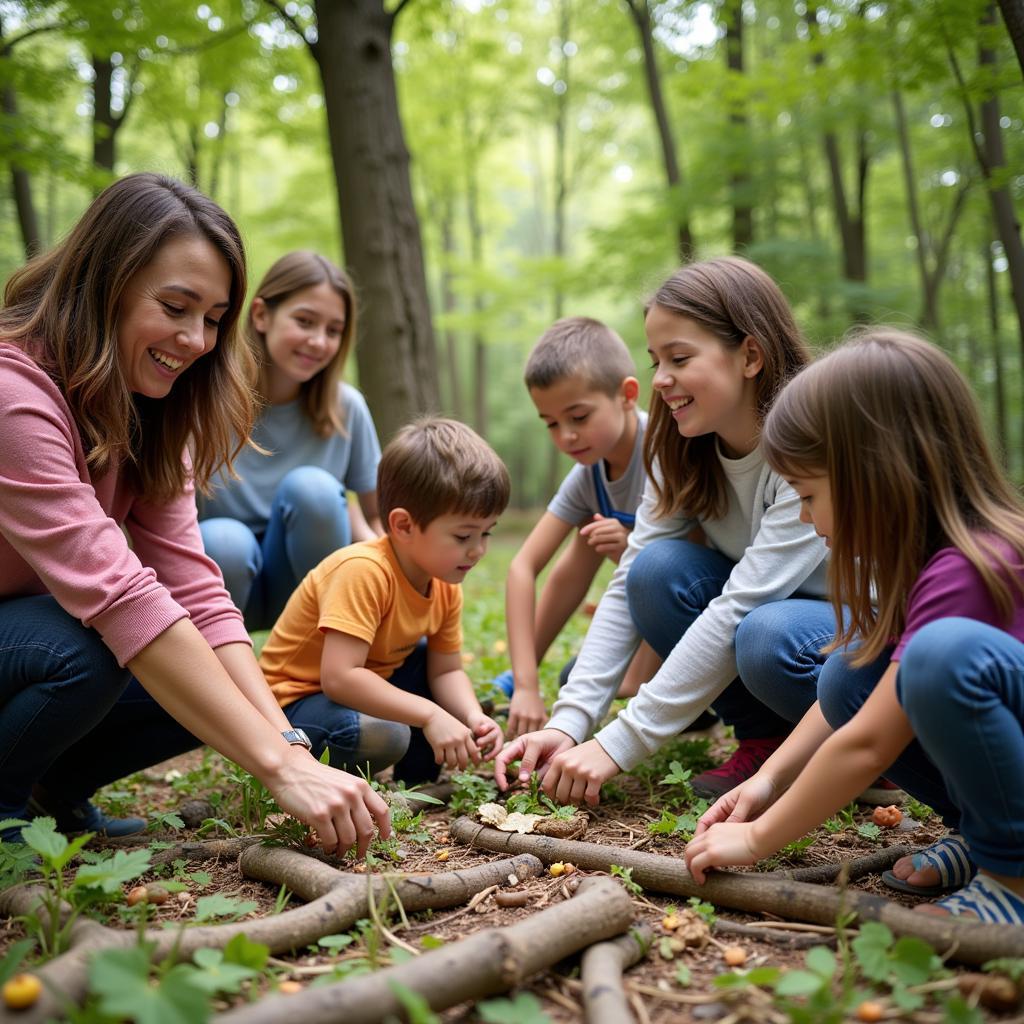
562 155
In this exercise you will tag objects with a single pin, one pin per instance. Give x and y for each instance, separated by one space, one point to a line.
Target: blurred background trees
483 166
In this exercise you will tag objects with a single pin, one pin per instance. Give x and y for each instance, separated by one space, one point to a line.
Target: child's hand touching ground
607 537
489 739
720 846
453 743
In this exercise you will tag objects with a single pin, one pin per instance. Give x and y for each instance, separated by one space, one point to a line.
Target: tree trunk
476 253
104 122
1002 428
396 351
561 190
739 178
451 339
673 175
1013 16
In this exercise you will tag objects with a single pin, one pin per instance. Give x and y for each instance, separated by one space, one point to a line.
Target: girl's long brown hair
318 397
733 299
894 425
62 309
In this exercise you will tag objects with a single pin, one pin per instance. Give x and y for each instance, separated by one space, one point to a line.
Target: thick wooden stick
491 961
337 901
968 941
604 999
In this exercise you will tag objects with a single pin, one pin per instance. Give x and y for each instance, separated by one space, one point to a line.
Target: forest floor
648 810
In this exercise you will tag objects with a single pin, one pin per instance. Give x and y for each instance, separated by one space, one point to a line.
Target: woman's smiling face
170 313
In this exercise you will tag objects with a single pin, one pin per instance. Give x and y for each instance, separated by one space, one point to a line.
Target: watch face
297 737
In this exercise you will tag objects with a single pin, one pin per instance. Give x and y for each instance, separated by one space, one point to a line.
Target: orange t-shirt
360 590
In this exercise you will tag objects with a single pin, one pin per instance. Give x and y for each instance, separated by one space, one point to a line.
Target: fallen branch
336 900
967 941
604 999
821 874
489 962
786 938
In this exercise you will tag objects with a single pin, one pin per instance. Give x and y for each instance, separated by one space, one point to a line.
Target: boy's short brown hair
579 346
435 467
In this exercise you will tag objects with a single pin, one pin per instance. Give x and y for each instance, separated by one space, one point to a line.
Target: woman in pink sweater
123 382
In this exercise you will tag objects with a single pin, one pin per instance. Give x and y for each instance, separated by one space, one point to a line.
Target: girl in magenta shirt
117 653
924 678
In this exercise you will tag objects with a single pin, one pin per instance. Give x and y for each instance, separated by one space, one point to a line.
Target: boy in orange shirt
346 659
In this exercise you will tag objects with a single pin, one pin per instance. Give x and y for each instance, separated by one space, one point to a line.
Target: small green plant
95 882
158 822
471 791
533 801
917 810
705 910
220 905
842 819
417 1009
525 1008
670 824
626 876
870 831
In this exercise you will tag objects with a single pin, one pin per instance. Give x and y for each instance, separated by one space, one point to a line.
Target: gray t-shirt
575 502
287 434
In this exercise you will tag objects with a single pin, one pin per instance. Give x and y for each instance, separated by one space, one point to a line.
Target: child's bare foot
943 867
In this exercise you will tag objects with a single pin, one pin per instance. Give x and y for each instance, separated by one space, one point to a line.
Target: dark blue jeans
70 717
669 584
357 741
308 520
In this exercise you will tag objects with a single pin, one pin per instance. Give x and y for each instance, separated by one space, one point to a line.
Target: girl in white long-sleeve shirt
723 341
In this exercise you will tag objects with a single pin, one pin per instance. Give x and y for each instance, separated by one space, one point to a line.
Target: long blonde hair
62 309
894 426
318 397
732 298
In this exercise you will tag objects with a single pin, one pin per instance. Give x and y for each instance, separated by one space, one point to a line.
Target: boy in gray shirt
582 380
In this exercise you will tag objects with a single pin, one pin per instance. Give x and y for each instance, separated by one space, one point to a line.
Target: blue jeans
358 742
71 719
961 684
669 585
308 520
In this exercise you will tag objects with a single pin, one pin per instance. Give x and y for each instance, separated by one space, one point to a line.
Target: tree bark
1013 18
739 126
336 900
489 962
105 123
396 351
641 13
971 942
992 293
604 1000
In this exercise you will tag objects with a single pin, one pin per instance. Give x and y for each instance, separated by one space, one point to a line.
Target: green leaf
799 983
822 961
766 977
869 830
913 960
245 953
335 941
13 957
120 978
417 1009
1013 968
111 873
524 1009
871 947
906 1000
216 975
42 836
956 1011
431 942
683 976
219 905
424 798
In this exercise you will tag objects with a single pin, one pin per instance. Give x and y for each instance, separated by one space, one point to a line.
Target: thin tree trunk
217 160
104 122
1002 428
396 354
1013 17
476 253
739 124
448 305
673 175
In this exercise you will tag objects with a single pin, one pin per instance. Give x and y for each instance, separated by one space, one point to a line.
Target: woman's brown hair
733 299
62 309
892 423
318 397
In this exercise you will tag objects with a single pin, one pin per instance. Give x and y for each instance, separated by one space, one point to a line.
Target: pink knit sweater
60 529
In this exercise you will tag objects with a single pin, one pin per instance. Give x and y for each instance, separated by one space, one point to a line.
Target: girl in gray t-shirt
288 509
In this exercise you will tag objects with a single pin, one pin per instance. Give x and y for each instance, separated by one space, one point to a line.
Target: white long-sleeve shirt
775 554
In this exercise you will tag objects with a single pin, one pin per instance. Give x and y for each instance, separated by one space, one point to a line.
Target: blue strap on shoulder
628 519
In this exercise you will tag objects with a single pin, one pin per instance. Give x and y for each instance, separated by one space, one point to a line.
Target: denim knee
312 493
381 743
935 677
235 549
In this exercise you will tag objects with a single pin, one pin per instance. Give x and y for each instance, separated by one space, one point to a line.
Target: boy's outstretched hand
570 774
607 537
489 738
453 743
721 845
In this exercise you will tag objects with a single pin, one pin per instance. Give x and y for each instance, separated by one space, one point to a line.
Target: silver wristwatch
297 738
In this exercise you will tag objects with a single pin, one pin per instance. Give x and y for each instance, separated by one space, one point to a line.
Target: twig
670 996
777 937
793 926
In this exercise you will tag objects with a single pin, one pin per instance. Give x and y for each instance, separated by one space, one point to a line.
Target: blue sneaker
82 816
506 682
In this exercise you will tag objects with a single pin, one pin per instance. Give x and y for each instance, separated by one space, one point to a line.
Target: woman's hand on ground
721 846
577 775
534 751
526 713
342 808
607 537
743 803
489 738
453 742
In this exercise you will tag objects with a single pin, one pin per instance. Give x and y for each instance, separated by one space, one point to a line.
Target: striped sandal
949 856
988 900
